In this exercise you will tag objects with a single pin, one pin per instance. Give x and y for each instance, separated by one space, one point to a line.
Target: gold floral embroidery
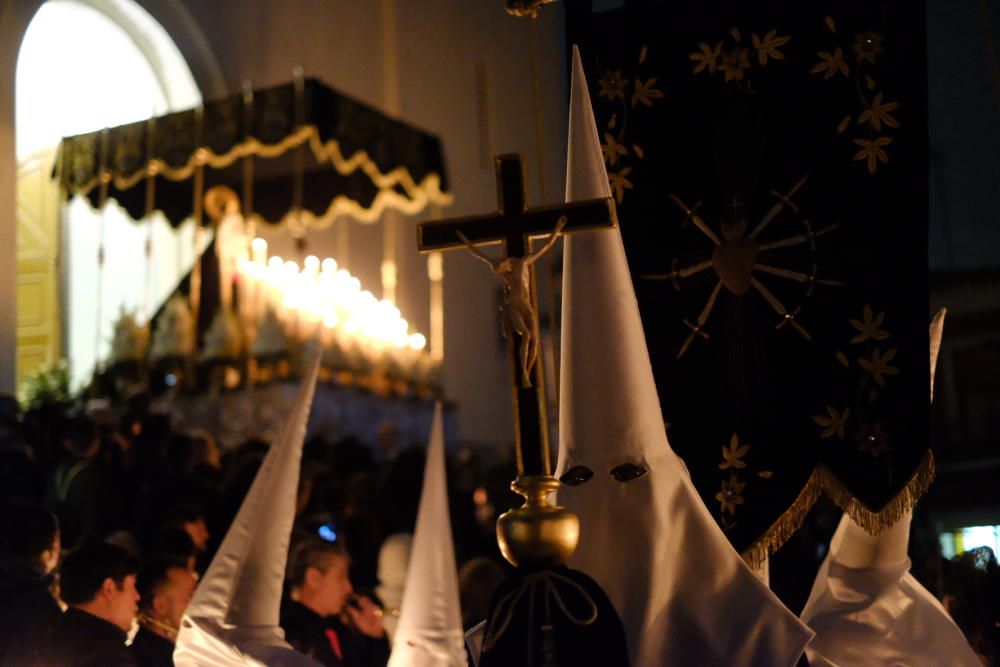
875 113
830 63
732 456
878 113
619 182
733 64
878 365
612 85
627 94
871 150
870 327
860 422
612 149
707 58
645 92
767 47
867 46
872 439
833 422
730 494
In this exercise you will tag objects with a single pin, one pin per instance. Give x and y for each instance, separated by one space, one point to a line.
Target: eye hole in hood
576 475
626 472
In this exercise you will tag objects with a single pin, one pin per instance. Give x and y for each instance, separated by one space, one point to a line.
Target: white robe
868 610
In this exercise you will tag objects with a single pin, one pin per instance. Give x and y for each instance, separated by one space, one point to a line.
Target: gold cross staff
514 226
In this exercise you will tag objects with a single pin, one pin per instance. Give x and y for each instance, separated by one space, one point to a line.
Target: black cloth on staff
152 650
84 640
328 641
27 616
555 616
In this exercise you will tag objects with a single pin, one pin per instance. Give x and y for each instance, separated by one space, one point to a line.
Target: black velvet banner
770 164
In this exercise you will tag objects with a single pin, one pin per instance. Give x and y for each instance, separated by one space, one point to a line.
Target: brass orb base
537 534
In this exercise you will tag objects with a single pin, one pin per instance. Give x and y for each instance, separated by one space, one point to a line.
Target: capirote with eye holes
625 472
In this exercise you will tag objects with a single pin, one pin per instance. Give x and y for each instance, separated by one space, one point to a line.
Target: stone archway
15 16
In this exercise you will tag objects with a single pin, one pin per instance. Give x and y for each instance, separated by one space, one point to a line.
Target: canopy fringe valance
378 163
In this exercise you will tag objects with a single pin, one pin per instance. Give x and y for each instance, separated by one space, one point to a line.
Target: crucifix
513 227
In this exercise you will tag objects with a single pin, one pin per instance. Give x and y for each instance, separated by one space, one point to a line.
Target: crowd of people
108 523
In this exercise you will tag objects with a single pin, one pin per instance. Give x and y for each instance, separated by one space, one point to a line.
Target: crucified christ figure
517 314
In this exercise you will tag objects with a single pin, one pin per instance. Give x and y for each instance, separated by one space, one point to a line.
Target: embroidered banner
770 165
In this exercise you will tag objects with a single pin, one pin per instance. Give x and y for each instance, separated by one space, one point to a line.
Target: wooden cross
514 226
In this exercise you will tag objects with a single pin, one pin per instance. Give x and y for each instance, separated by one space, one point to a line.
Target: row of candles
323 301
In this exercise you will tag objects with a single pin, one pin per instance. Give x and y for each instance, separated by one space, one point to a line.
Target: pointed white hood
429 632
233 618
683 593
937 330
865 606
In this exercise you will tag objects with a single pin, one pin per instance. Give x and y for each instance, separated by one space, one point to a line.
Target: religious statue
517 313
231 242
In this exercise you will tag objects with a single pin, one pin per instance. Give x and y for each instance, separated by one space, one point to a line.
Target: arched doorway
82 65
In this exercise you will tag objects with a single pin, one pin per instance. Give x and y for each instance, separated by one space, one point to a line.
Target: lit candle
257 264
330 322
258 251
312 265
416 343
273 279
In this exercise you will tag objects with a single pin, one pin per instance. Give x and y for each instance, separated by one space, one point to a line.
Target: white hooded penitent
683 593
865 606
429 632
233 618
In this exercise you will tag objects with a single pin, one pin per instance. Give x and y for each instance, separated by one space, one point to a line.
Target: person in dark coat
166 586
29 552
322 618
81 490
20 474
98 584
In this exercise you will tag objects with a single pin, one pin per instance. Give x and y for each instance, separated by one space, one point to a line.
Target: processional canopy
344 156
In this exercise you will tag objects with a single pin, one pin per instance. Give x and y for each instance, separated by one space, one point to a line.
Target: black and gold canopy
313 149
770 165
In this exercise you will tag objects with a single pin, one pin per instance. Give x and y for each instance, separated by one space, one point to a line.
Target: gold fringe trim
875 523
823 480
786 525
342 205
427 191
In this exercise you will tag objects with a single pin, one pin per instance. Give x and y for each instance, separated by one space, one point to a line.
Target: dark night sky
964 120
